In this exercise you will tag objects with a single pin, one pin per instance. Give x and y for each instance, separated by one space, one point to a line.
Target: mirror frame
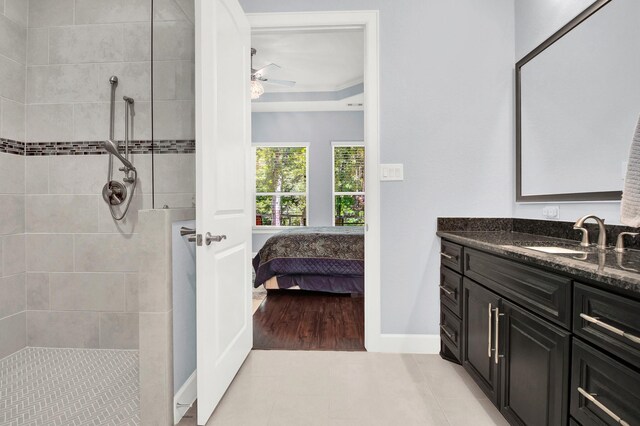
579 196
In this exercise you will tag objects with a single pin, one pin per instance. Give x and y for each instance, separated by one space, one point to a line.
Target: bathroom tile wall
82 266
13 42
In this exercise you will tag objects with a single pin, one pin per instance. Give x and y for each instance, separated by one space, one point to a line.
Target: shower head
112 148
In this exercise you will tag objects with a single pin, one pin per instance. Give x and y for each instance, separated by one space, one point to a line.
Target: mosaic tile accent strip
9 146
46 386
95 147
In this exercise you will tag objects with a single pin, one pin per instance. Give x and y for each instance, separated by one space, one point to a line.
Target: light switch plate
390 172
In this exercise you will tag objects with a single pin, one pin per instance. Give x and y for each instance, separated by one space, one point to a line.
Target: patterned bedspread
336 251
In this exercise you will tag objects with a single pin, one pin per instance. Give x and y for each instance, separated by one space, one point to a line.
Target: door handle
600 405
489 332
208 238
496 352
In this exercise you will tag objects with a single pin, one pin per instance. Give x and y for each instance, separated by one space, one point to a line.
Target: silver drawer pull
603 407
451 336
596 321
446 256
489 333
446 290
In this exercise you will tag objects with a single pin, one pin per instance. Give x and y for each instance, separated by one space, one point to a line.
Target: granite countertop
619 270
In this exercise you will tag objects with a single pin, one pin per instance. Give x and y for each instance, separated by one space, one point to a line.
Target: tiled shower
68 271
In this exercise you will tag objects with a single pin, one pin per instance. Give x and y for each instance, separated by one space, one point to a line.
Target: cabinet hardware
603 407
446 290
615 330
451 336
489 333
497 326
446 256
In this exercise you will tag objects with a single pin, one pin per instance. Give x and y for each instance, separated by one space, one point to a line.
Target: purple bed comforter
314 258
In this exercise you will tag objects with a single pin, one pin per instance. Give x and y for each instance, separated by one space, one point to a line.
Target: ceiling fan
258 77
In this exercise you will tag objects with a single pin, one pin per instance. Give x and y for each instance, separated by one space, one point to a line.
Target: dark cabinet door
478 334
534 369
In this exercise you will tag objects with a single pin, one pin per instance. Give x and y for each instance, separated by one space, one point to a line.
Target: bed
329 259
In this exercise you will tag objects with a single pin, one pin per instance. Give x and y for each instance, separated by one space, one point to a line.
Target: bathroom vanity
551 339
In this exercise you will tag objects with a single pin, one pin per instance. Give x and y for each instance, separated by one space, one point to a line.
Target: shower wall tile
61 213
113 11
37 291
168 10
119 330
85 44
67 83
131 292
1 7
55 329
188 7
12 83
174 80
13 120
128 225
38 46
13 254
37 174
92 168
49 252
12 168
174 120
178 173
105 253
140 50
173 40
49 13
49 123
13 298
87 292
91 121
181 200
13 40
13 334
61 181
17 10
12 214
134 80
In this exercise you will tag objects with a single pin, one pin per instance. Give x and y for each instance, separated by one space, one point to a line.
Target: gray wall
446 112
13 47
319 129
535 21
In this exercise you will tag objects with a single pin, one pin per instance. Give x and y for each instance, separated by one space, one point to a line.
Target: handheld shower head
112 148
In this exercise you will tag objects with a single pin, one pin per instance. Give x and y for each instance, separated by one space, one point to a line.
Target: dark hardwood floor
301 320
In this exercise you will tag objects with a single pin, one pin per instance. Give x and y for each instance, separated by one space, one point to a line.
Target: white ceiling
318 61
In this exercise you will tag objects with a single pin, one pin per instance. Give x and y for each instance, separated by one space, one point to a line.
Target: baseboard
187 394
408 343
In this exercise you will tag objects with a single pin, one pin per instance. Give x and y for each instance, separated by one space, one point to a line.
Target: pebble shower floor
45 386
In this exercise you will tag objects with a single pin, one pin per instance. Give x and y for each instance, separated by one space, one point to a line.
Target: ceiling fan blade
287 83
266 68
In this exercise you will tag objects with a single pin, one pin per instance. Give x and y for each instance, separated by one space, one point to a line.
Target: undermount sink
556 250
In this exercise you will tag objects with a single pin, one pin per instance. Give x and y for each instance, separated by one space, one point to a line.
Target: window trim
334 194
254 146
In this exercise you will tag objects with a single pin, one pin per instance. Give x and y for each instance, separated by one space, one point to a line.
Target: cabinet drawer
451 290
544 293
450 327
451 255
609 321
602 389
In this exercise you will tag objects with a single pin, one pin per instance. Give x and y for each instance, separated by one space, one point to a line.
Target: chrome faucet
602 232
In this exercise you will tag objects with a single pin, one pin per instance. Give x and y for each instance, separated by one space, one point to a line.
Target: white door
223 203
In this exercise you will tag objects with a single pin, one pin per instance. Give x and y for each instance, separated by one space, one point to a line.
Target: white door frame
368 21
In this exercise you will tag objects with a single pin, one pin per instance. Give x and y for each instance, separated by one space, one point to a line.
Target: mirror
577 105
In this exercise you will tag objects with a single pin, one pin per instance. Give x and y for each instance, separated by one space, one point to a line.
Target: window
348 183
281 184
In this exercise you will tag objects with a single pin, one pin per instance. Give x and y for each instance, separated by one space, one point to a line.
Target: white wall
535 21
319 129
446 89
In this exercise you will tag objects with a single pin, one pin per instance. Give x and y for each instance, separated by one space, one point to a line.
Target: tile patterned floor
351 388
45 386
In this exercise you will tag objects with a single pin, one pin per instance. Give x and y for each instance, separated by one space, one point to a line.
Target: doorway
359 96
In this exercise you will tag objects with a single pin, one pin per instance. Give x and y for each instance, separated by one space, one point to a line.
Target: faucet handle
585 235
620 241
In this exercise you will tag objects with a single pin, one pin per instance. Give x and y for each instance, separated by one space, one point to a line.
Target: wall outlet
551 212
391 172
